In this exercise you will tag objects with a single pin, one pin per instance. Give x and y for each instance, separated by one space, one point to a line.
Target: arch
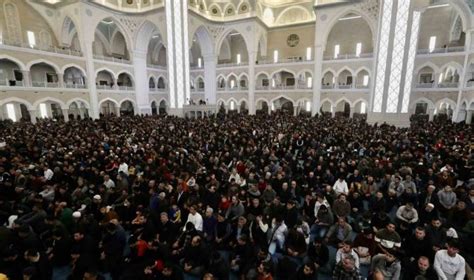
341 100
430 64
290 9
41 60
284 69
51 99
453 64
161 82
17 61
359 101
328 101
363 68
123 71
242 100
120 27
65 67
451 102
344 69
221 101
263 73
284 97
109 99
78 100
228 31
226 8
68 31
330 70
106 70
204 39
239 7
232 99
304 71
219 10
350 10
231 74
242 75
127 99
144 34
17 100
430 103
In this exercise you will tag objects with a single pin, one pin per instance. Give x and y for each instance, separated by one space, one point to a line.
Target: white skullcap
76 214
97 197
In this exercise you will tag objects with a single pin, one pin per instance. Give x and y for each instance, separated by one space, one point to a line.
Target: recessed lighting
438 6
350 17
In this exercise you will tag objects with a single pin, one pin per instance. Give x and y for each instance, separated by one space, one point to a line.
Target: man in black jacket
420 268
42 267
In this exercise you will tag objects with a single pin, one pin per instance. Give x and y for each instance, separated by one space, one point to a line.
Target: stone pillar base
397 119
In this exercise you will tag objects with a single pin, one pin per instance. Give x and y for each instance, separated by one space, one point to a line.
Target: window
363 108
232 84
238 58
358 49
273 83
336 51
199 62
232 105
308 54
1 37
440 80
11 112
365 82
308 106
43 110
310 82
275 56
432 43
31 38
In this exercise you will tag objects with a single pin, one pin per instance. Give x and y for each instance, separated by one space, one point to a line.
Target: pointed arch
228 31
285 70
343 69
144 34
106 70
341 100
18 62
50 99
109 99
226 8
205 40
63 69
219 10
287 10
68 104
350 10
42 60
17 100
284 97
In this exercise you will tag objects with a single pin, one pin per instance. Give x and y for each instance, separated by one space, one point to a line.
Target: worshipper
420 269
289 169
448 263
387 264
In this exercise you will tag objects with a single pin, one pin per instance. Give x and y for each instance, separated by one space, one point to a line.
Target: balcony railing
441 50
11 83
349 56
152 89
448 85
126 88
50 49
197 90
433 85
155 66
45 84
112 59
424 85
75 86
345 87
105 87
232 64
281 61
161 89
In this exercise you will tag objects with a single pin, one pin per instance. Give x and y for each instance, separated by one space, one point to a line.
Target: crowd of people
235 197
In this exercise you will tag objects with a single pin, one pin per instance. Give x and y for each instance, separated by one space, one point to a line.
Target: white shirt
353 254
449 268
109 184
48 174
318 204
341 187
196 220
124 168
